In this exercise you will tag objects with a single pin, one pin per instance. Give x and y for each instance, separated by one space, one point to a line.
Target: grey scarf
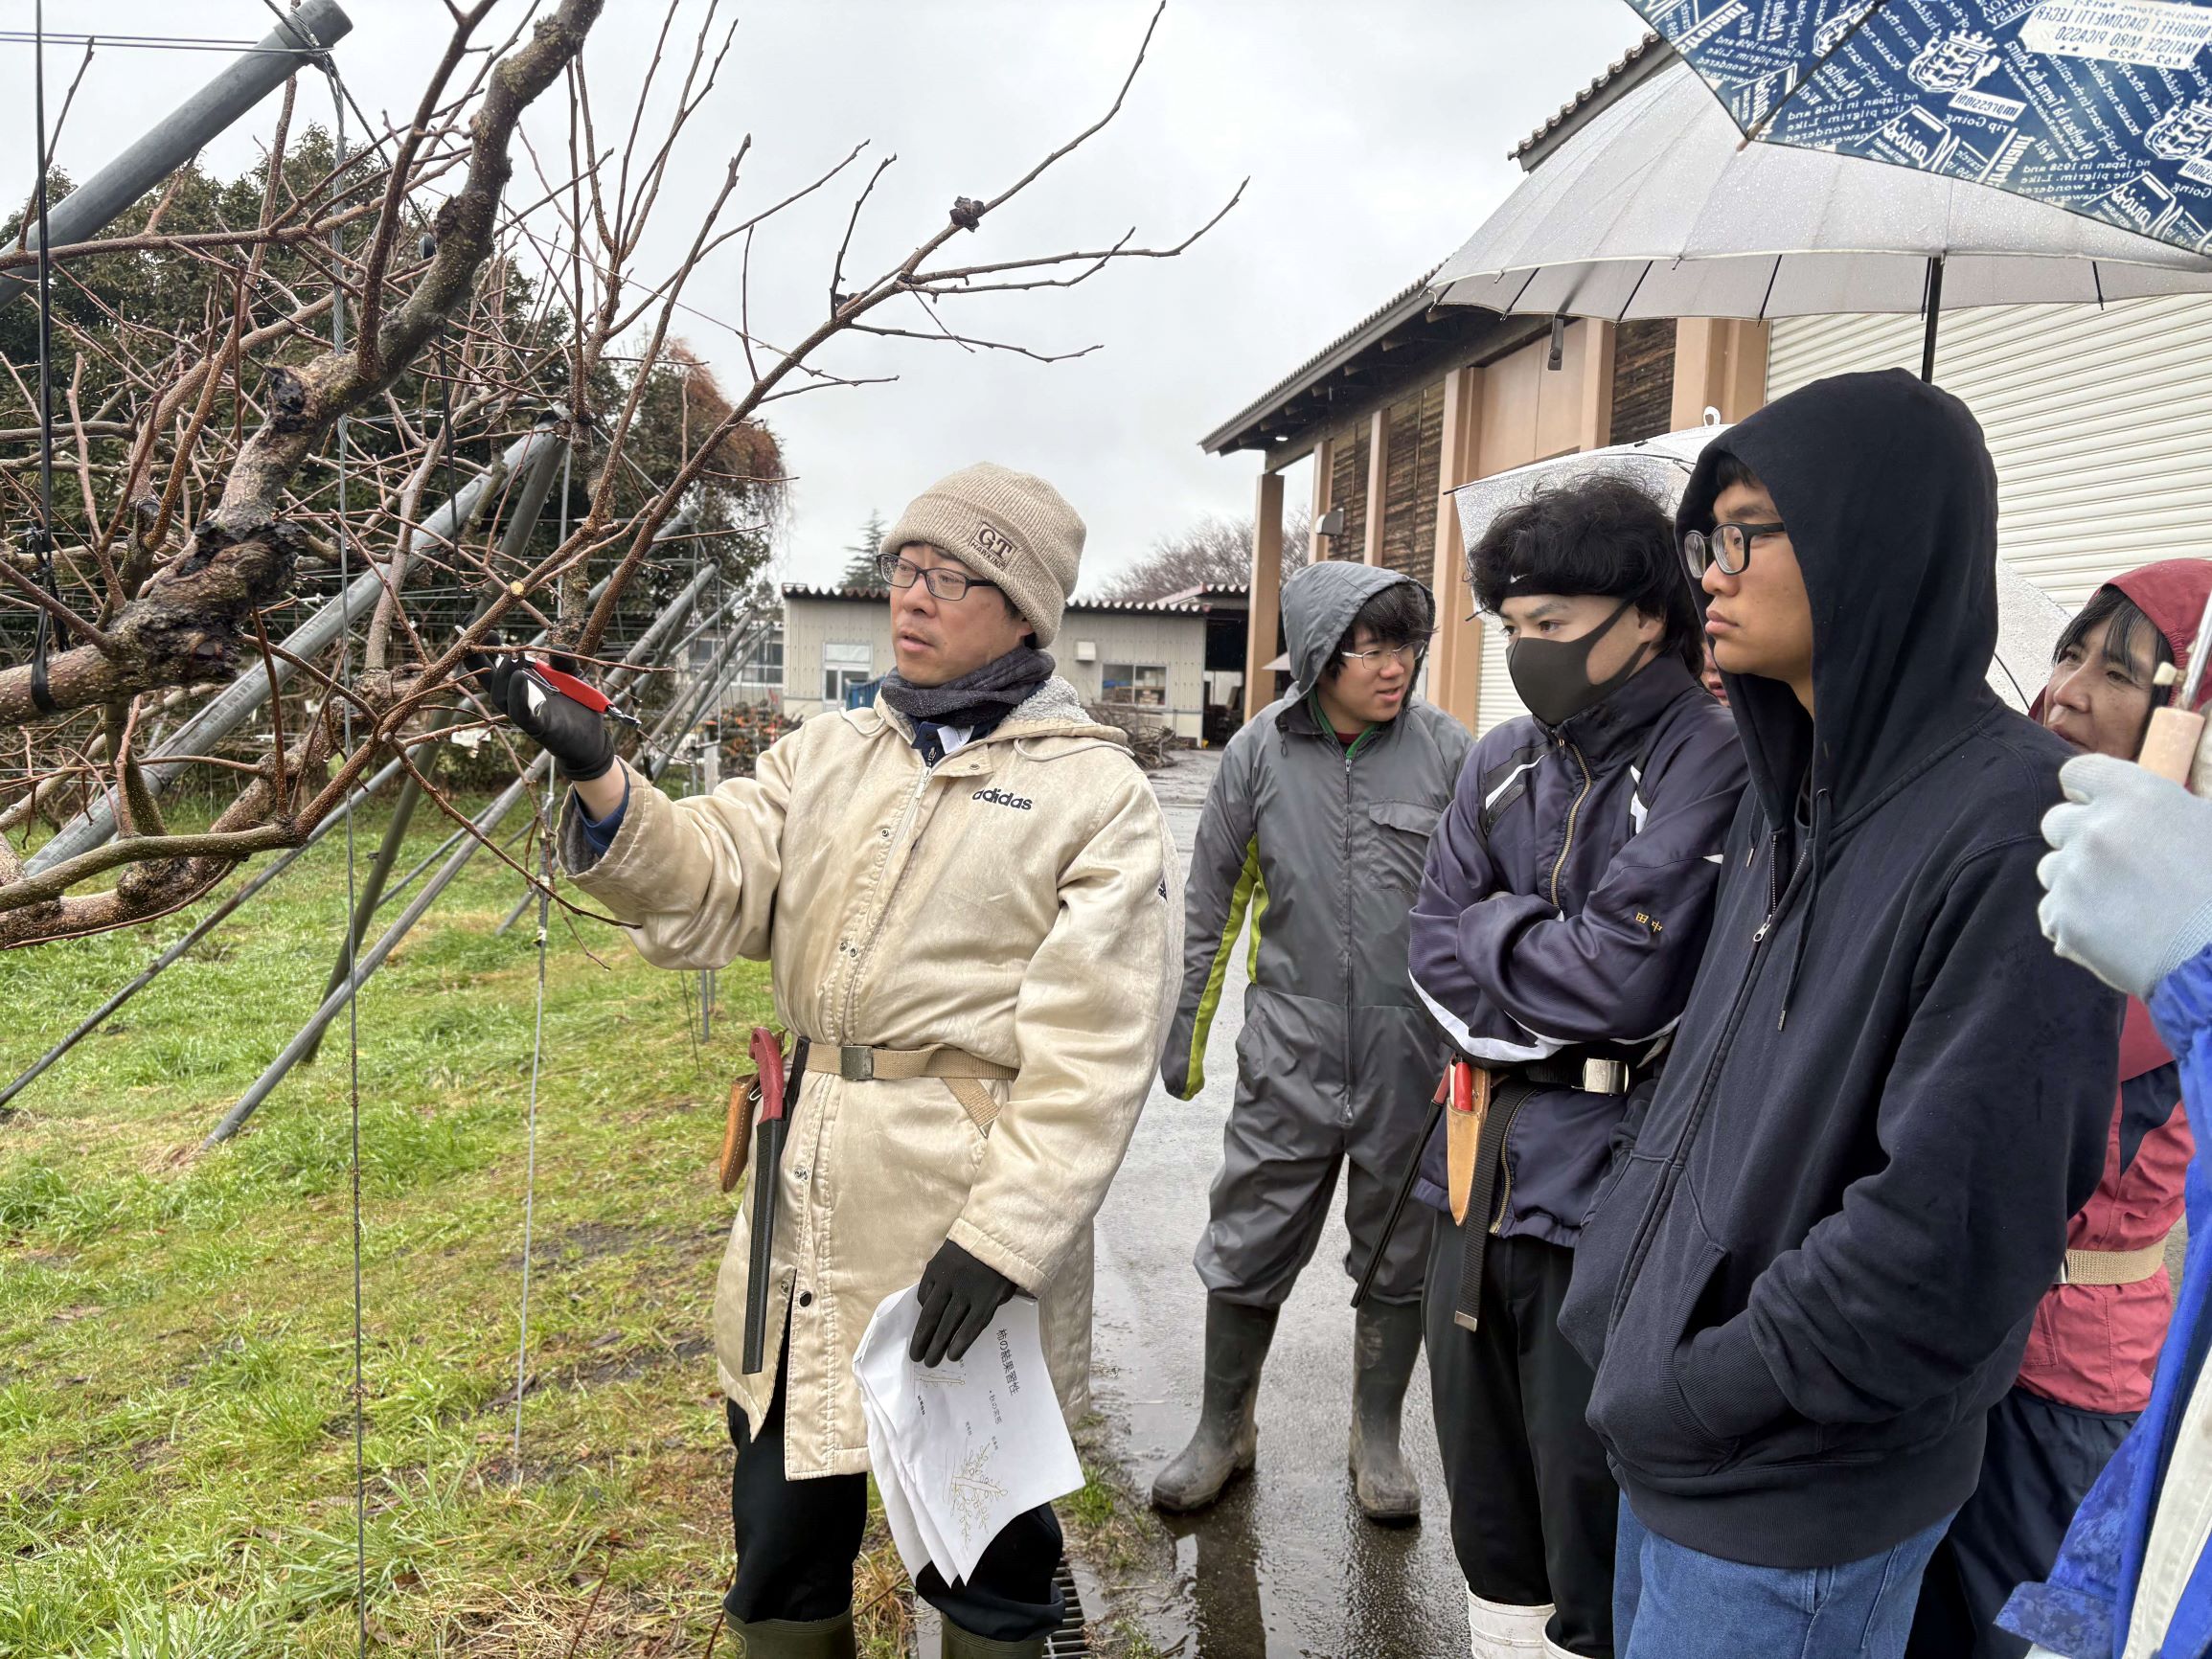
981 698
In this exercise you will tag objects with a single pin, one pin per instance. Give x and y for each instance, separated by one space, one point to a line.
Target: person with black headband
1561 918
971 907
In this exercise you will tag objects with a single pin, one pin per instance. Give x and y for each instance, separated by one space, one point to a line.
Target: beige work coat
1019 900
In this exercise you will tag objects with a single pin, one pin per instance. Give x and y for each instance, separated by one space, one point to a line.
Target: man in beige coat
971 909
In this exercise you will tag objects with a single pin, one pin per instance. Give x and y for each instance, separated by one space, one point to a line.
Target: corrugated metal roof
878 595
1409 302
1639 60
1567 111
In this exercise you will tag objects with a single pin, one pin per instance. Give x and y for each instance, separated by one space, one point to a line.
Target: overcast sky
1374 137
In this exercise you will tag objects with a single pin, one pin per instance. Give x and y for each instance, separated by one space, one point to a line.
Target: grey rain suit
1323 846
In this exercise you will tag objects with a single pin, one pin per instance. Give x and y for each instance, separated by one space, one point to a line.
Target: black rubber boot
1385 1343
959 1643
1228 1439
797 1638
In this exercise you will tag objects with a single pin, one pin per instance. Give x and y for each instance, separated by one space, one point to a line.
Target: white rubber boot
1553 1651
1496 1631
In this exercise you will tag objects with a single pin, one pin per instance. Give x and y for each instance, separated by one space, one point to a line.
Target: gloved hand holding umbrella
2128 889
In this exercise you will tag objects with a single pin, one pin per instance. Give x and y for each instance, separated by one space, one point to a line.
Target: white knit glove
2128 890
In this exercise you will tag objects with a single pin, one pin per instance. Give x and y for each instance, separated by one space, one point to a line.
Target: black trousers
1533 1506
2039 1463
797 1541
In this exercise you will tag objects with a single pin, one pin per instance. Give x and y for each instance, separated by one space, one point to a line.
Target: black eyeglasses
942 581
1726 545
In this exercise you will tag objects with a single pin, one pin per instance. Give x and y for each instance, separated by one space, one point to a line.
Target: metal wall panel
1497 701
2100 421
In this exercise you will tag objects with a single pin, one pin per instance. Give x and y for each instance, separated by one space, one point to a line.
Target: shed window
843 667
1141 685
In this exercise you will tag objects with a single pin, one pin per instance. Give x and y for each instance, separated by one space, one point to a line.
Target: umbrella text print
2102 107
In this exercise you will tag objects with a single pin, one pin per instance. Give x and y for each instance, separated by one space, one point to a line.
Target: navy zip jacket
1815 1272
1566 901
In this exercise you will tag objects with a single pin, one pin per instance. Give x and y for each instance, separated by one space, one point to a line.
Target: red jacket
2095 1345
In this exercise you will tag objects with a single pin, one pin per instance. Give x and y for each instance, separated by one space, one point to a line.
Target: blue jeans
1671 1602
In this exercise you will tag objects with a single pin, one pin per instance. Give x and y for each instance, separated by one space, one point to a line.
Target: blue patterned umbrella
2102 107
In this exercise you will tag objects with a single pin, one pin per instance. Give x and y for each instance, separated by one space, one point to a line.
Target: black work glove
959 1295
576 737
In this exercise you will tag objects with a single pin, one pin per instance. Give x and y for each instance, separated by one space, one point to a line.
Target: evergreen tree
861 556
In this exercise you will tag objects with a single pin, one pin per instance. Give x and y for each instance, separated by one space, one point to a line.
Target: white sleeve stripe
1481 1048
1491 800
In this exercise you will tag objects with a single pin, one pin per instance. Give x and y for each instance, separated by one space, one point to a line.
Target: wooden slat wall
1348 490
1416 464
1643 379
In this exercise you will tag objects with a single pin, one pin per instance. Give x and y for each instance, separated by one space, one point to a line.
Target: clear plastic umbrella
1657 209
2029 621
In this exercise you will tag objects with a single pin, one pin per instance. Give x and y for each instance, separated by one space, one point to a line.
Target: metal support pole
679 718
515 915
206 925
368 962
228 709
186 130
647 647
365 901
1934 314
391 892
522 517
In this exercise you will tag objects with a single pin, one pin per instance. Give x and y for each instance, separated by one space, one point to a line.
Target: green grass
176 1330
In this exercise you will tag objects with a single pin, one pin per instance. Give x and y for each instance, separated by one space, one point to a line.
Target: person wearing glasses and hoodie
1814 1274
1315 827
1561 918
2086 1375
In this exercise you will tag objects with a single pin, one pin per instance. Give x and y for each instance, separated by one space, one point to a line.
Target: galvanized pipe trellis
522 516
206 925
648 645
185 131
229 709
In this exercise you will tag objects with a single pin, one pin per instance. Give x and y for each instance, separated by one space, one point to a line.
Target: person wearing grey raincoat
1316 830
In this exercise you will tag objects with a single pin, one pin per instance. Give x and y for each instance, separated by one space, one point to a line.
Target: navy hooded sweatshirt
1816 1269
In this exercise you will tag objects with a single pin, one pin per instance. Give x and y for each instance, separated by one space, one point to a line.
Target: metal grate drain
1069 1642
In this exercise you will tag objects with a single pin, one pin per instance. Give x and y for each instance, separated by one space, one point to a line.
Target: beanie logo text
1000 797
994 542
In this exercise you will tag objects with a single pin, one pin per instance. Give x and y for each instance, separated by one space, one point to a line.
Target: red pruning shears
552 679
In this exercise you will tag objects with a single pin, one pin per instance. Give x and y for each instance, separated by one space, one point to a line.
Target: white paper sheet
961 1448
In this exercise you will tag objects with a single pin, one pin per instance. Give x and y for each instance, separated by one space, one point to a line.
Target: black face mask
1552 676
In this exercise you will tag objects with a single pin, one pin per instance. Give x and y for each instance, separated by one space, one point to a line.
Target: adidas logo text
1000 797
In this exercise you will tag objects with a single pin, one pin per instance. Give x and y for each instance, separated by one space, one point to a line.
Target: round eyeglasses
1407 655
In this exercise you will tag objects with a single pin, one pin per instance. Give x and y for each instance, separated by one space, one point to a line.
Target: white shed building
1150 657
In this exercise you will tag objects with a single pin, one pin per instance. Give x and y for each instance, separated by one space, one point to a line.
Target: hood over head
2172 594
1890 498
1318 605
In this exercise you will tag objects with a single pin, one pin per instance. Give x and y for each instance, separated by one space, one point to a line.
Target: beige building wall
1089 642
809 625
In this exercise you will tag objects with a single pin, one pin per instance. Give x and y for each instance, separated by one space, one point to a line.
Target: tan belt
2114 1266
963 1073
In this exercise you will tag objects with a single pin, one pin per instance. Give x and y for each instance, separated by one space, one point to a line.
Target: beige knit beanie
1008 527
